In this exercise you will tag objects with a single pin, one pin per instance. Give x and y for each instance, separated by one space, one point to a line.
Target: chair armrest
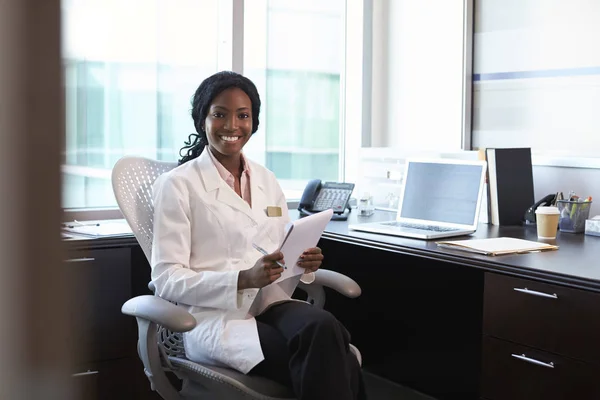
338 282
159 311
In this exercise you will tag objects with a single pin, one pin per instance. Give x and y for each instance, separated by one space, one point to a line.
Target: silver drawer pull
533 361
536 293
88 372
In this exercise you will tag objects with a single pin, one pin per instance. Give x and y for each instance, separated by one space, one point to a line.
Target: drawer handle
536 293
533 360
88 372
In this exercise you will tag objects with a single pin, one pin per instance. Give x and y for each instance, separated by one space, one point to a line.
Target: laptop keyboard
431 228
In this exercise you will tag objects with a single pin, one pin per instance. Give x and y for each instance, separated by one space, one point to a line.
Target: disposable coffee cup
547 222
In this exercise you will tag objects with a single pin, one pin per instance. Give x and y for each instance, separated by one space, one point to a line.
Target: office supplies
319 196
264 253
77 223
573 213
302 234
497 246
510 185
86 224
100 229
439 198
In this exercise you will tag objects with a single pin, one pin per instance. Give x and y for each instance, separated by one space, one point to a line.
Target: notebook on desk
439 198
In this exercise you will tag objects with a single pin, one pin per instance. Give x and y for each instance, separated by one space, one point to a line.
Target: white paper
303 234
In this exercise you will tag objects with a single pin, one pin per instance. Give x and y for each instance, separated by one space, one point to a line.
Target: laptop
439 198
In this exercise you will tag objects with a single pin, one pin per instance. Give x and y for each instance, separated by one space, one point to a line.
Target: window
536 79
294 53
132 67
130 70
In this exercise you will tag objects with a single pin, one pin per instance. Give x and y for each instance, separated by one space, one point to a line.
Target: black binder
510 185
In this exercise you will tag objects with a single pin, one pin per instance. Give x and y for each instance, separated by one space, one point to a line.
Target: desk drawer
100 287
514 372
121 379
548 317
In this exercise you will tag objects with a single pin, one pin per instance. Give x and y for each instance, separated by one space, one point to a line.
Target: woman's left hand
311 259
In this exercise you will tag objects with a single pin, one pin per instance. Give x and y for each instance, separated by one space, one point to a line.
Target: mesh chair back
132 180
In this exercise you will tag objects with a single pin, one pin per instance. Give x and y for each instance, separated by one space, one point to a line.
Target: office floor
382 389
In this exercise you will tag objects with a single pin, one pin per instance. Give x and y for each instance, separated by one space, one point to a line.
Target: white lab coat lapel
224 193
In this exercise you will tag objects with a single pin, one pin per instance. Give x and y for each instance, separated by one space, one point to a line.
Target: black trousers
307 348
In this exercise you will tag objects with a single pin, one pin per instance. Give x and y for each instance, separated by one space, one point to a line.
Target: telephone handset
545 201
319 196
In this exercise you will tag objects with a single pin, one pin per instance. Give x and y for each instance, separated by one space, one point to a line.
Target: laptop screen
442 192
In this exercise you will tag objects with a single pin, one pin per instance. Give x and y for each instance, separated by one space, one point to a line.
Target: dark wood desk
443 322
105 273
451 324
576 264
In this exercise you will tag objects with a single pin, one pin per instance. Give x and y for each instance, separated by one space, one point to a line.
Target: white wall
418 74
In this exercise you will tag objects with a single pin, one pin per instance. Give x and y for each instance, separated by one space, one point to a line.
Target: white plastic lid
547 210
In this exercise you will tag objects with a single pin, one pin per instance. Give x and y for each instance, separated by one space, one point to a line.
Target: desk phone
319 196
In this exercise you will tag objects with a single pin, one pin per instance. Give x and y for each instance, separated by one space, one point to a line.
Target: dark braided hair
210 88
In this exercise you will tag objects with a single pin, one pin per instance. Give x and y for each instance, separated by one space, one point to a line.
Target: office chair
161 323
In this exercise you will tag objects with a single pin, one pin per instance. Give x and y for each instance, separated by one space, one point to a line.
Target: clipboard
300 235
497 246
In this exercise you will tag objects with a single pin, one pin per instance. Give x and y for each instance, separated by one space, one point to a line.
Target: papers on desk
100 229
496 246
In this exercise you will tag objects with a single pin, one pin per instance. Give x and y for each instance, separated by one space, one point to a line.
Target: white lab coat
203 235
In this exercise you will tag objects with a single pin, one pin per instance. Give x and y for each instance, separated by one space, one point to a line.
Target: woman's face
228 123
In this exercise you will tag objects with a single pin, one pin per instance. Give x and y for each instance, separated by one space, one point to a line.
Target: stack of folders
510 185
497 246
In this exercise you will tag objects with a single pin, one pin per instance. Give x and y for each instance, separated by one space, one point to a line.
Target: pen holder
573 215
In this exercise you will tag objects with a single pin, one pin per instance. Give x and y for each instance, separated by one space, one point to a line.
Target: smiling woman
209 219
225 111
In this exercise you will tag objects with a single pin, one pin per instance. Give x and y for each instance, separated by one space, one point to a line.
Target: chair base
224 383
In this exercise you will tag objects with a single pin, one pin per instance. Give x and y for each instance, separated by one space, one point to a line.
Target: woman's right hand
264 272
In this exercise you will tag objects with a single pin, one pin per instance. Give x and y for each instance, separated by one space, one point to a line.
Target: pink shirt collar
230 180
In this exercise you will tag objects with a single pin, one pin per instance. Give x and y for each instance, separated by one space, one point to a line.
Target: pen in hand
264 253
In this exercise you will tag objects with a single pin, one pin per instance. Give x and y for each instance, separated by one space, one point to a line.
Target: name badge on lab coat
273 211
